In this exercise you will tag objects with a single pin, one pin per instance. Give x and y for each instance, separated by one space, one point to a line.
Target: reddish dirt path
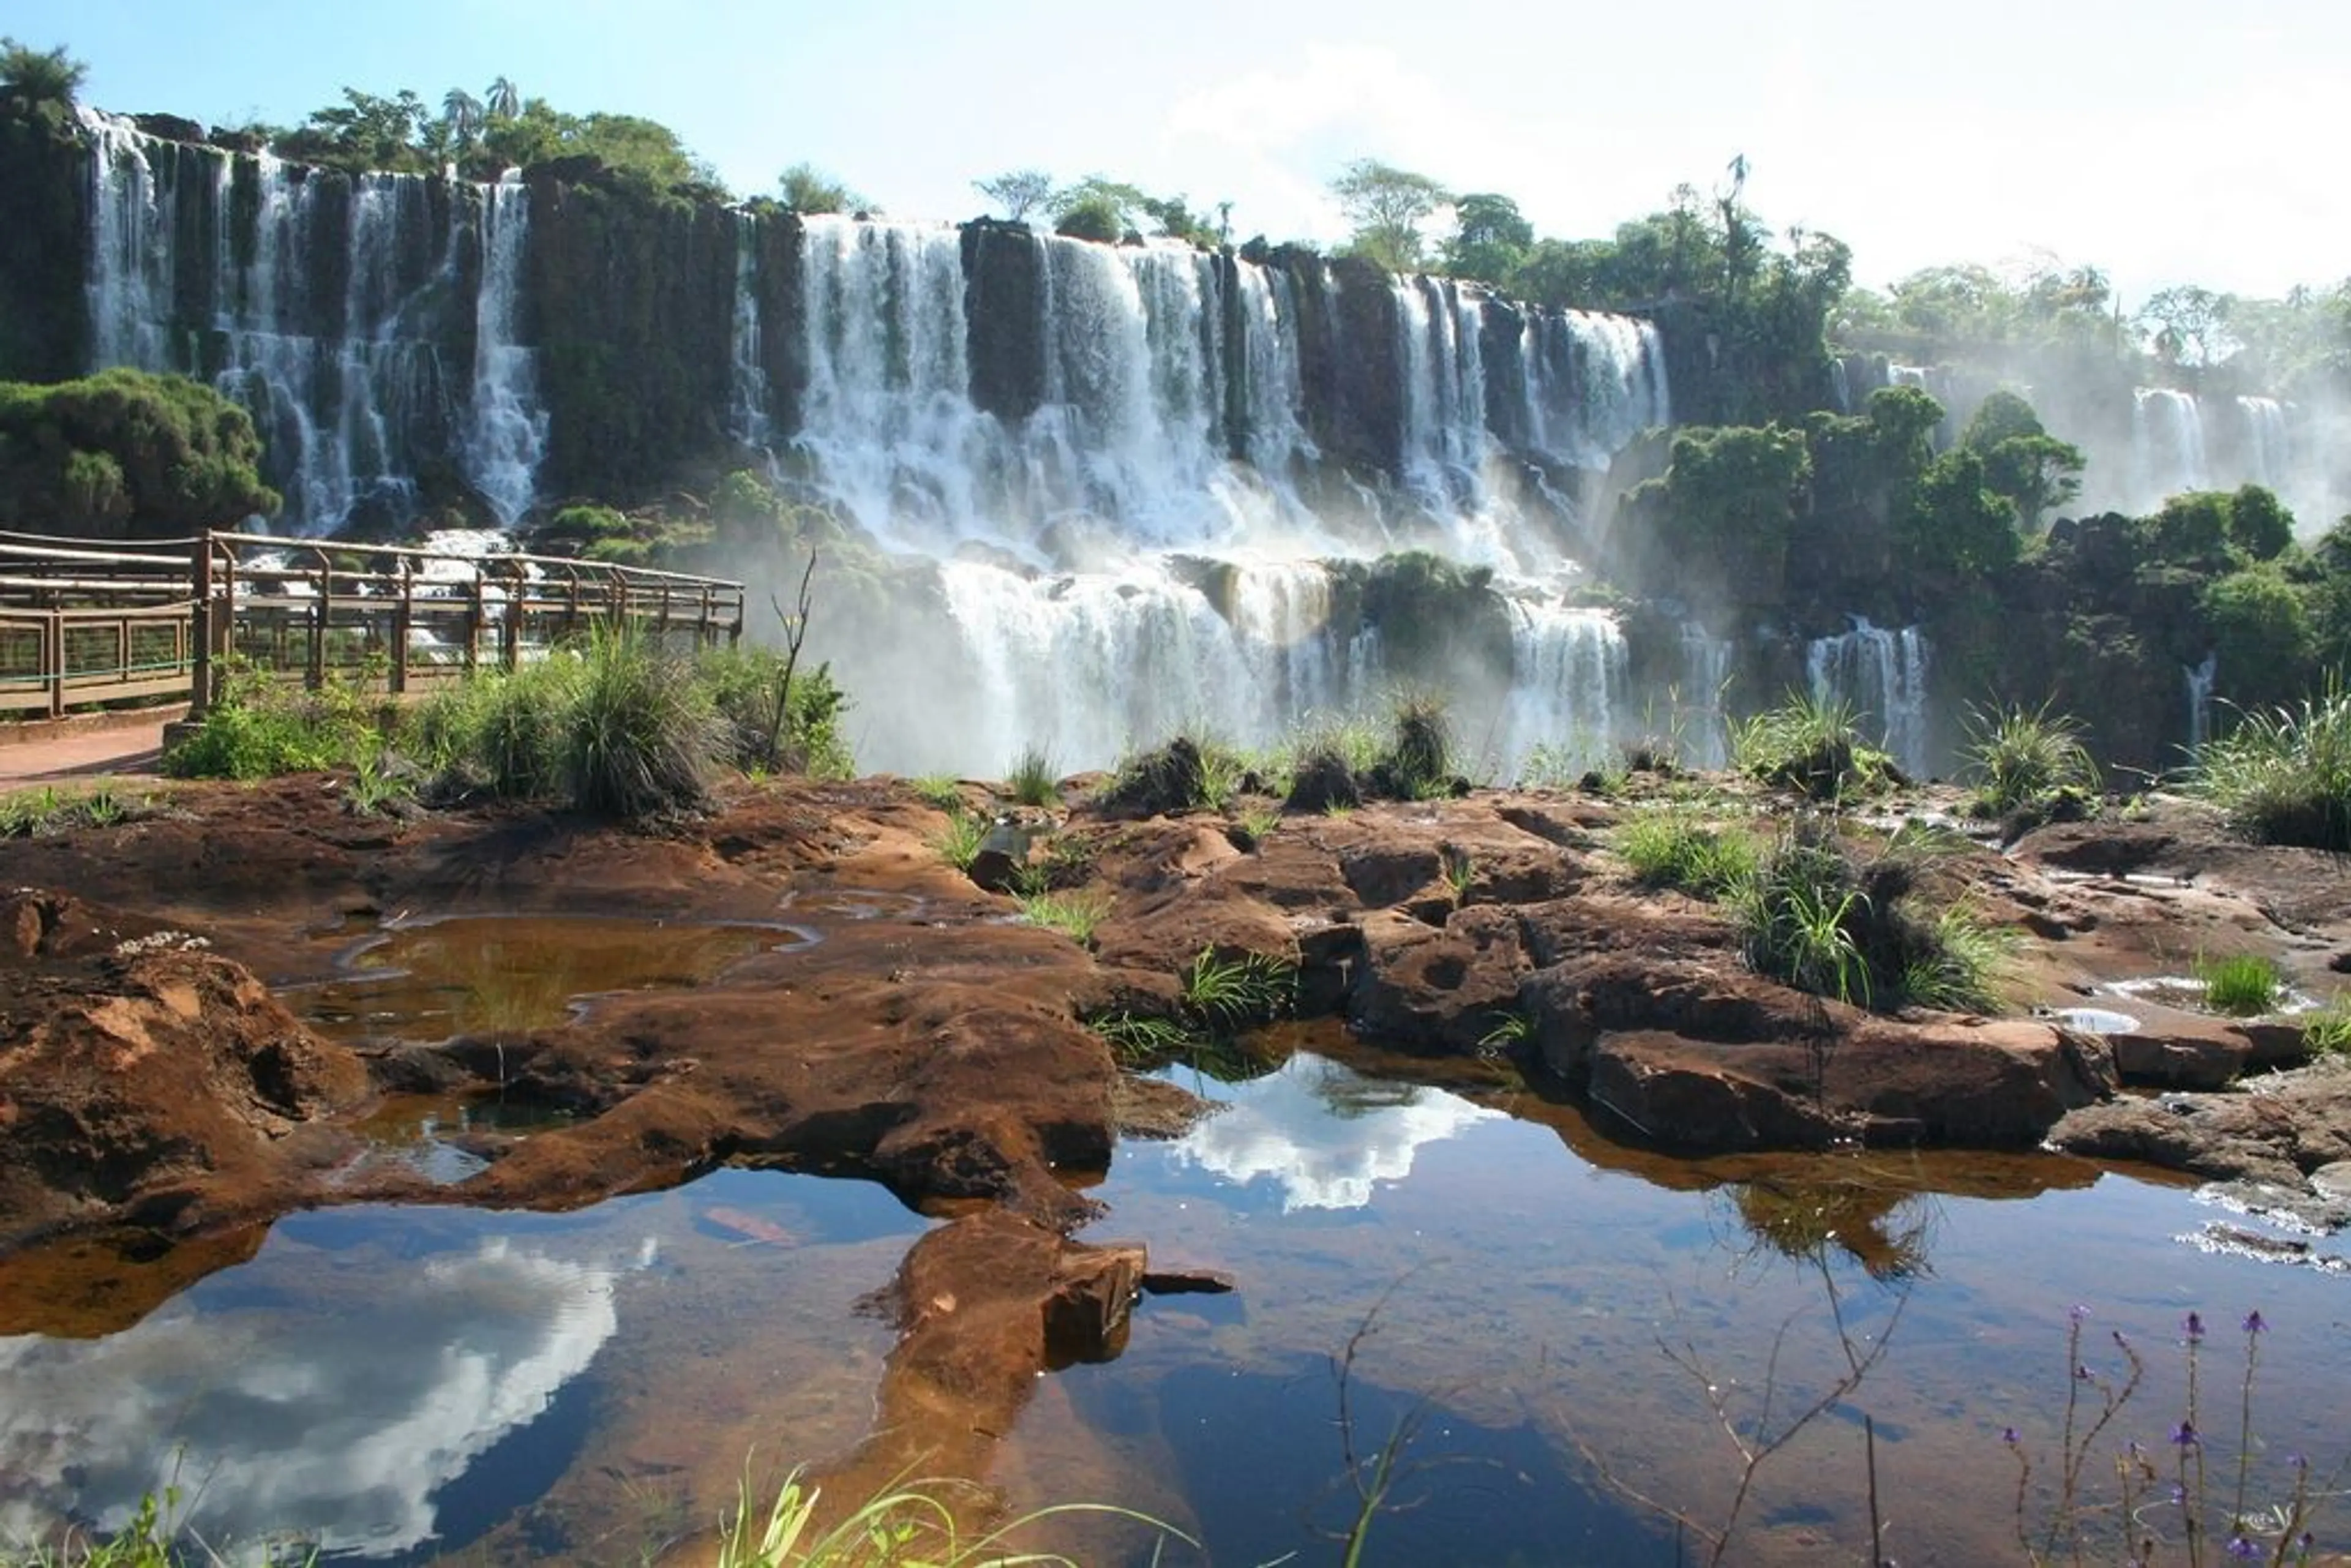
134 748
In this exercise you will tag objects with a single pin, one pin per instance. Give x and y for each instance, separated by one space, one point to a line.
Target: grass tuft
1668 848
907 1524
1229 992
642 736
2283 777
1417 763
1034 781
2030 763
959 844
36 813
2241 986
1811 746
1074 914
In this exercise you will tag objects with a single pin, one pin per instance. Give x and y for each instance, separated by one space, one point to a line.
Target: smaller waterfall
1696 716
509 427
2265 440
2200 700
1839 386
1882 674
2167 444
747 387
1567 680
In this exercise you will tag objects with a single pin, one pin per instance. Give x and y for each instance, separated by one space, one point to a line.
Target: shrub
123 451
259 729
2284 776
1675 849
1094 218
2241 985
1034 781
642 735
1809 744
745 684
2032 763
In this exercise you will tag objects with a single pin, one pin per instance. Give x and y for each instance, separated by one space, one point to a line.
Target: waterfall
1592 383
746 383
1839 386
2265 440
1272 393
509 430
1695 722
2200 700
350 389
2167 444
1568 672
1882 674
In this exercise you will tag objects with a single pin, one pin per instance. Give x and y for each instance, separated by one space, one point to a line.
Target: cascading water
1567 681
747 419
2200 678
509 428
2167 444
1882 674
351 388
1592 383
2265 440
1695 721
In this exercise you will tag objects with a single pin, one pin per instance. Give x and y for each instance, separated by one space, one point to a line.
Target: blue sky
2162 140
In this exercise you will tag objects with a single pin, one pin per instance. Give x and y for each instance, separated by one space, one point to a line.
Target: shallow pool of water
1528 1319
426 981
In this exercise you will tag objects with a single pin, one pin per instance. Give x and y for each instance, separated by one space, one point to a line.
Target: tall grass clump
1327 766
1809 744
1417 763
2241 985
1074 914
1824 916
2327 1031
2029 762
1675 849
2284 776
643 736
1034 780
1188 774
499 733
959 845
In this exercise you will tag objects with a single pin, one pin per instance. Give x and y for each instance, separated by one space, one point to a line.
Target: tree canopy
39 75
123 454
1388 206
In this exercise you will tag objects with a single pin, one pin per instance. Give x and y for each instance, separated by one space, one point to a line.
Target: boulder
1436 991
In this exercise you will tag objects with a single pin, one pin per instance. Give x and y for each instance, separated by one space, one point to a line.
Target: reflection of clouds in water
334 1424
1325 1134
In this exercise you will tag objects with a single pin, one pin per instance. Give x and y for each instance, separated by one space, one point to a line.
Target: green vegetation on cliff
123 454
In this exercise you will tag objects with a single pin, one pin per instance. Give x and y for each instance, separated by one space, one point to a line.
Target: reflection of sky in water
1324 1134
334 1419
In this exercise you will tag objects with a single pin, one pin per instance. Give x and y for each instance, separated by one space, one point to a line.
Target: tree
2189 324
461 114
1490 238
1097 208
1019 192
2259 523
503 98
2023 462
1387 205
1957 526
125 453
39 75
809 191
2261 629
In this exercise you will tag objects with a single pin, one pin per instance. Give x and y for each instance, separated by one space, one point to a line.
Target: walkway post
200 628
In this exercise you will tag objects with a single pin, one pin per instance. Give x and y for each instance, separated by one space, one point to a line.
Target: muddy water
486 975
407 1382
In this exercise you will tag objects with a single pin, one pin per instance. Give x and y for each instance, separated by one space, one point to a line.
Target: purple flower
2253 1321
2077 1312
2008 1435
2240 1547
2184 1435
2195 1328
2083 1375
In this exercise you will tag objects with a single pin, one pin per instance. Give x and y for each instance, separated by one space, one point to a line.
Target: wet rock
1187 1282
155 1081
1433 990
1152 1108
2294 1124
2171 1062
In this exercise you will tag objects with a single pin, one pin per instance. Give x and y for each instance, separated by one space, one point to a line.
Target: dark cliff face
631 306
44 247
1004 303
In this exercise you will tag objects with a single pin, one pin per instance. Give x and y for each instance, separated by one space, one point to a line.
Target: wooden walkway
93 625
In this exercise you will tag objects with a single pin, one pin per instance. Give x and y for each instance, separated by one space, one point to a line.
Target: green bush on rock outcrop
123 454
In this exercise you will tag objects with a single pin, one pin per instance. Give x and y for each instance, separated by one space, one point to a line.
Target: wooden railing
84 624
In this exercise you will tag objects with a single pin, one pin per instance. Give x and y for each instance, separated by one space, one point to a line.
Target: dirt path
133 748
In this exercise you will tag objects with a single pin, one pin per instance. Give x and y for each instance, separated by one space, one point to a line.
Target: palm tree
460 111
504 98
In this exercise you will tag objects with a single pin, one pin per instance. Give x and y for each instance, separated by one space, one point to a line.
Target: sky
2162 140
